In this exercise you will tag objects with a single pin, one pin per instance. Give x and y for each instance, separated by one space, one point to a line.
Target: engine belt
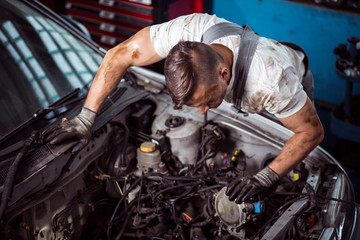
247 48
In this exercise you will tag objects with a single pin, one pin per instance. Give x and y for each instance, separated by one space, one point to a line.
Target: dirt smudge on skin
312 118
135 54
120 49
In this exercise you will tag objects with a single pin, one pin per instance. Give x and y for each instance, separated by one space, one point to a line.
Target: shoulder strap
248 43
220 30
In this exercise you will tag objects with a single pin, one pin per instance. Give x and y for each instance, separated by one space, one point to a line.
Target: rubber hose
10 177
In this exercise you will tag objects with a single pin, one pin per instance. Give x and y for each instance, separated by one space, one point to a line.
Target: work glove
73 134
243 188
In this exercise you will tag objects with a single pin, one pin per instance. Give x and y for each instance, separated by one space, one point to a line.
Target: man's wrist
267 176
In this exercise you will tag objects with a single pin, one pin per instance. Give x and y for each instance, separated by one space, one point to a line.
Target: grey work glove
242 189
74 133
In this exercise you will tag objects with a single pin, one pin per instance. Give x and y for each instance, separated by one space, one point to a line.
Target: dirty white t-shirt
275 74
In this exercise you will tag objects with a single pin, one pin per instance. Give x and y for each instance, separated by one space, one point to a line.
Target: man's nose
203 109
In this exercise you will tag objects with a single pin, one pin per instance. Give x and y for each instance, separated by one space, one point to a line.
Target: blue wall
317 30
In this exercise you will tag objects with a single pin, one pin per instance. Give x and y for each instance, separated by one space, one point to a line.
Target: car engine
151 172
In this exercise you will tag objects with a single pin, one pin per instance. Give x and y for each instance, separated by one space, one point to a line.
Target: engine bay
162 174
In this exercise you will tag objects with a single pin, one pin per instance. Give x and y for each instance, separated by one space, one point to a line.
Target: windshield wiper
68 99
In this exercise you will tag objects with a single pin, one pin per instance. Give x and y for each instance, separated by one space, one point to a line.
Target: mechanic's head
193 73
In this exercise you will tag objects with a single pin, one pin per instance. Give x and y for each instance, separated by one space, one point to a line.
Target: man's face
206 97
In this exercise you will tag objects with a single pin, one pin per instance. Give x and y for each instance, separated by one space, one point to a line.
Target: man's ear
224 73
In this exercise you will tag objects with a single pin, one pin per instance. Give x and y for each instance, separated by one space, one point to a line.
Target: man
202 75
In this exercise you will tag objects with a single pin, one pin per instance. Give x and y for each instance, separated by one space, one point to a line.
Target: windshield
40 63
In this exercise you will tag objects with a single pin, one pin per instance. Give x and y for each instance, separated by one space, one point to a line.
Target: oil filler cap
148 147
174 121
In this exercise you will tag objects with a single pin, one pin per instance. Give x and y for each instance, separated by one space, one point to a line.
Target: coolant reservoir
148 156
184 136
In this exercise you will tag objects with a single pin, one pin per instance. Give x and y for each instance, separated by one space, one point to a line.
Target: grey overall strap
248 43
220 30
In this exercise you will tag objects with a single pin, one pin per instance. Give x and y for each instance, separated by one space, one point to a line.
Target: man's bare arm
75 133
136 51
308 133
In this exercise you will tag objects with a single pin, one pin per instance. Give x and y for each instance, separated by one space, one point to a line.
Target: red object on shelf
110 21
130 9
184 7
198 6
113 21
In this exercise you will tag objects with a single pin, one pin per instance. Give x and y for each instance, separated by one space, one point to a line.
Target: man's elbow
318 135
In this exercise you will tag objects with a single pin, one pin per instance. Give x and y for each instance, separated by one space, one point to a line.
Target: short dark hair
187 65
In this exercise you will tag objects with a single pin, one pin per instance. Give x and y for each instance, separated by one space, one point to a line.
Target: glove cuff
87 117
267 176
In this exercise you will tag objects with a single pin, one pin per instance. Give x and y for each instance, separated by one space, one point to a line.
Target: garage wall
316 29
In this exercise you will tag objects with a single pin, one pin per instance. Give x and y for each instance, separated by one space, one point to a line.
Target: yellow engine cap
148 147
296 177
